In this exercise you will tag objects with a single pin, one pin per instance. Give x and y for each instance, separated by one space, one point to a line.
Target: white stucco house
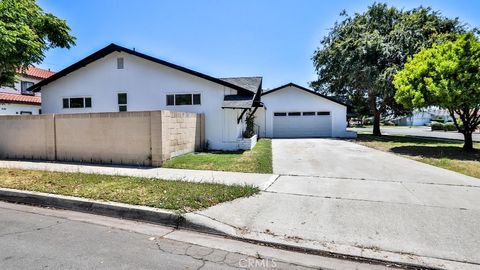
116 79
423 117
16 99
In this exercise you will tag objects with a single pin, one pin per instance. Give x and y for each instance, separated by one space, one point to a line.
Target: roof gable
305 90
116 48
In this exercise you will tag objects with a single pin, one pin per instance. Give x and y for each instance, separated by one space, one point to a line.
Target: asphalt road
40 238
419 131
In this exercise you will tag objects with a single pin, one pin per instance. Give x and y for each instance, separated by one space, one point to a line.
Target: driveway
347 198
420 132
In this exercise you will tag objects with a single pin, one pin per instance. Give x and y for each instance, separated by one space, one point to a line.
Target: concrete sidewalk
229 178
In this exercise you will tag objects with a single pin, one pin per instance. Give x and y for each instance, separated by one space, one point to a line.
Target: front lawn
447 154
174 195
258 160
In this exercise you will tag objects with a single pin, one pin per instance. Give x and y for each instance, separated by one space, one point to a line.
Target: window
308 113
280 114
24 85
170 100
323 113
120 63
25 112
88 102
183 99
122 102
77 102
294 114
196 99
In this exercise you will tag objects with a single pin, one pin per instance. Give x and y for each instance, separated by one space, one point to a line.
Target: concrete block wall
131 138
27 137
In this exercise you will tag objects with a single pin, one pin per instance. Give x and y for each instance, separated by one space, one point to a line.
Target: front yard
174 195
258 160
446 154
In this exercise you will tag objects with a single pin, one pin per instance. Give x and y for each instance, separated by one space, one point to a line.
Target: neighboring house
423 117
16 99
116 79
295 111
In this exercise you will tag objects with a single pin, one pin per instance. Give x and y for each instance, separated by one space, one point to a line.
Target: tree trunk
376 124
468 144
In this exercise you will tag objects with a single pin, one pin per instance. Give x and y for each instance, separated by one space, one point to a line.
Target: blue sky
274 39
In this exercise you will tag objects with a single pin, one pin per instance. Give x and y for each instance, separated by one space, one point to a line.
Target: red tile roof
21 99
38 73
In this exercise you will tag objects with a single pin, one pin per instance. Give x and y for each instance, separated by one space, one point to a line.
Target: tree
26 32
361 54
446 75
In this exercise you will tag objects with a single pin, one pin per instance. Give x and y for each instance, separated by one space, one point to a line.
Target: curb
189 221
111 209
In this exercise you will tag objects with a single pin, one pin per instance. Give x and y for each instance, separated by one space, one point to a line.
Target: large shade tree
360 55
26 33
446 75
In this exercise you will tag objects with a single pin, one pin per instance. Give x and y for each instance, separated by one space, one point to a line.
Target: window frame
281 114
193 97
84 102
23 89
294 114
309 113
122 107
323 113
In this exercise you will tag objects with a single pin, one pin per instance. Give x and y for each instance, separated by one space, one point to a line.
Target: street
34 238
420 132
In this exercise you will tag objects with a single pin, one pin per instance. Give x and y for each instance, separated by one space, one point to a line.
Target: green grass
174 195
258 160
447 154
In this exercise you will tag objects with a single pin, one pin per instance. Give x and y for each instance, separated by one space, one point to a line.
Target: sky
274 39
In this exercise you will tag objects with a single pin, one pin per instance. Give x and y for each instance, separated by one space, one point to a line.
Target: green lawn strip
175 195
258 160
447 154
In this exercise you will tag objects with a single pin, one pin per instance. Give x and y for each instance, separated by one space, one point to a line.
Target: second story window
122 102
24 85
183 99
77 102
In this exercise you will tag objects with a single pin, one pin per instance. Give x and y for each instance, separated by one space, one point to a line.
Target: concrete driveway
342 197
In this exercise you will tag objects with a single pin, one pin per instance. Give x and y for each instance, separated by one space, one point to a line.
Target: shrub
437 126
250 129
449 127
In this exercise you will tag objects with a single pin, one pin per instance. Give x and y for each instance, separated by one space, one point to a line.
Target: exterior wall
133 138
14 109
294 99
27 137
146 84
17 87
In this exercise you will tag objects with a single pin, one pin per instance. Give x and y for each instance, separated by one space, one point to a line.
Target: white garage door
302 124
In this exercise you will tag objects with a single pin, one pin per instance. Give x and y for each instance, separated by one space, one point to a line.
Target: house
295 111
16 99
423 117
117 79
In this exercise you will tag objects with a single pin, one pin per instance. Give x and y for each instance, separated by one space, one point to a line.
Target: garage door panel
302 126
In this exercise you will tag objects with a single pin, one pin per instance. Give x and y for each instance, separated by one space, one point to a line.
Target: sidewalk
262 181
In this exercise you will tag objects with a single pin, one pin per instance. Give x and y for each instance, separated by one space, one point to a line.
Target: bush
449 127
437 126
389 123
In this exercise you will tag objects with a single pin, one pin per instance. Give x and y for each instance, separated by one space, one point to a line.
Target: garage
293 111
302 124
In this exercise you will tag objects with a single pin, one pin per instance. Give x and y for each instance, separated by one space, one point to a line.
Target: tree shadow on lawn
450 152
406 139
